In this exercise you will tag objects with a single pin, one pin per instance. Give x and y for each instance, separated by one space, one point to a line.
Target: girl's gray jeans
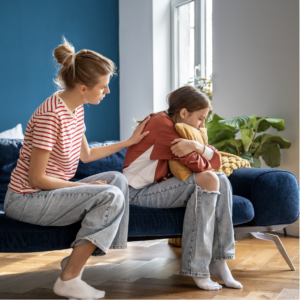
102 209
207 229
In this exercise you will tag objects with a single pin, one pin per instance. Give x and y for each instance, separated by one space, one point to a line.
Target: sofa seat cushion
21 237
274 194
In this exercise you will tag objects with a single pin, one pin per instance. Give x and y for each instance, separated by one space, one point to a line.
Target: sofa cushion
16 236
274 194
9 154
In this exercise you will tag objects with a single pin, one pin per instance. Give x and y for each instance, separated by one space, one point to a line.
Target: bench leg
276 240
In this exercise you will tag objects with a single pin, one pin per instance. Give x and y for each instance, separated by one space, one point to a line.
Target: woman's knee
208 181
116 197
119 179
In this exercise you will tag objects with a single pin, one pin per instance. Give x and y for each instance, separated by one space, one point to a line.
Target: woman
39 191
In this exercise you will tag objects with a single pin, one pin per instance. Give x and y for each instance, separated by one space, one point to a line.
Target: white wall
256 65
161 24
145 62
136 62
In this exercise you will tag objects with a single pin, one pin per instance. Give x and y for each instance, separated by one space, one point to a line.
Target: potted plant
222 135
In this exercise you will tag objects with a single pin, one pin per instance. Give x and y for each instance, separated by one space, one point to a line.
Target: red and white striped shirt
52 127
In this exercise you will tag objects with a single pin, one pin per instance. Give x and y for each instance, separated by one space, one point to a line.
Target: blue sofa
263 200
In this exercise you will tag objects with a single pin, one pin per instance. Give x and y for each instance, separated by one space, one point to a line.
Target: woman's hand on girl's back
182 147
138 133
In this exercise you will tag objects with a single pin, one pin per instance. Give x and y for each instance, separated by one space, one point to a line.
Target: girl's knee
207 180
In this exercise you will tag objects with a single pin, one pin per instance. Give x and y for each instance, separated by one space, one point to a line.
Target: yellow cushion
190 133
231 162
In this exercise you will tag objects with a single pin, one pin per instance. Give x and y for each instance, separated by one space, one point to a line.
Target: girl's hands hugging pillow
230 162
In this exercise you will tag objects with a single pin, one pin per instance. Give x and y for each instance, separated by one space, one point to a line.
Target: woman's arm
38 177
90 154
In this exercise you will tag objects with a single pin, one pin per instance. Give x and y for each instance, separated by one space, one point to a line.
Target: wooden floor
150 270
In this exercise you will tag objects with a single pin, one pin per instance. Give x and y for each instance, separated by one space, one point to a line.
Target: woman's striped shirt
52 127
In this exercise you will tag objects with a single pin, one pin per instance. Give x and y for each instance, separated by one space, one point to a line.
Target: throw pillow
190 133
14 133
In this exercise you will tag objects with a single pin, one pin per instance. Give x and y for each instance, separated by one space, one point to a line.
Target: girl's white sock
77 289
220 269
206 283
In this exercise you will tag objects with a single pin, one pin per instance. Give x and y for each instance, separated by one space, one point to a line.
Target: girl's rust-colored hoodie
147 162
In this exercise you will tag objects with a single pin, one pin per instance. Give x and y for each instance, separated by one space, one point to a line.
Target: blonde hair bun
84 67
64 53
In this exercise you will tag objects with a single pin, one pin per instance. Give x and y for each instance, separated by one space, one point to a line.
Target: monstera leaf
250 123
263 124
237 121
271 154
266 137
268 146
214 127
256 163
222 137
247 136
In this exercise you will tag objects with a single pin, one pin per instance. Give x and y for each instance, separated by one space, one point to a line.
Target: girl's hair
84 67
187 97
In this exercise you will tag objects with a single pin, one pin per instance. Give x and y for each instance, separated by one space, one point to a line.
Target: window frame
199 36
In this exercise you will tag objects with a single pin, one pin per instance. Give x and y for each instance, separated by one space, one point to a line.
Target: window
191 40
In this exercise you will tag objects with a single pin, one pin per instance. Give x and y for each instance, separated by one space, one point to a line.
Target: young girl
207 238
39 191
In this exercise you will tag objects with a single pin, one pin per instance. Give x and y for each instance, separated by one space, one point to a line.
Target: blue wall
29 32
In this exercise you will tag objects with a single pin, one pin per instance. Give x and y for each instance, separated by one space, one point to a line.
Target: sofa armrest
274 194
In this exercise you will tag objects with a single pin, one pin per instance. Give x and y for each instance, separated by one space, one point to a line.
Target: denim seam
106 215
223 257
187 273
193 232
8 201
218 228
118 247
20 219
93 241
77 194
